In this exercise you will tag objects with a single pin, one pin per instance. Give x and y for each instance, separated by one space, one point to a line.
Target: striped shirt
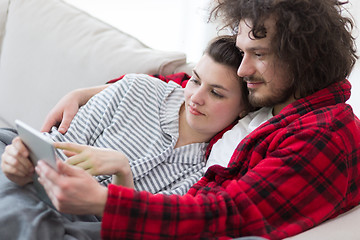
139 117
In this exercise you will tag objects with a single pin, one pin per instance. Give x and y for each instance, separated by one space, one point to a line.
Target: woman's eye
216 94
194 80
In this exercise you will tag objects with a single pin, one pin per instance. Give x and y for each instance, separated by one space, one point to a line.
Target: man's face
267 79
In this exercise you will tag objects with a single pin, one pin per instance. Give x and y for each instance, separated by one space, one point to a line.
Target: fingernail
40 163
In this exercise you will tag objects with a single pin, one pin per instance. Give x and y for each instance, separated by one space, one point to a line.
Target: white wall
355 75
181 25
175 25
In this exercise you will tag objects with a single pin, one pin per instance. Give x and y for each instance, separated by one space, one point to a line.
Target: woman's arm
65 110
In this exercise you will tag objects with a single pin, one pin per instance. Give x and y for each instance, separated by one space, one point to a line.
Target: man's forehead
245 35
245 27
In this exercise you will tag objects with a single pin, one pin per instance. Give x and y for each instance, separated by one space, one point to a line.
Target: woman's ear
243 113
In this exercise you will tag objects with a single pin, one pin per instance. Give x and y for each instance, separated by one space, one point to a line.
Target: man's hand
65 110
71 189
62 114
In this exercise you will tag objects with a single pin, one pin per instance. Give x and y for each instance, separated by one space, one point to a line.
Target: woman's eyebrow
212 85
219 86
197 75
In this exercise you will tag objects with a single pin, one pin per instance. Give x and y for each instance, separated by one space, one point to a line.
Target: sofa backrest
3 15
50 47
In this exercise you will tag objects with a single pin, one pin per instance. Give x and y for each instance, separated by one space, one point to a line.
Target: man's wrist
102 199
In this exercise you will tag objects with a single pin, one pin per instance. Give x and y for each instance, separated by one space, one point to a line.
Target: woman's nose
198 96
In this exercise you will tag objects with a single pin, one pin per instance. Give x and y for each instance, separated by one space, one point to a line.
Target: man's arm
296 186
65 110
293 187
72 189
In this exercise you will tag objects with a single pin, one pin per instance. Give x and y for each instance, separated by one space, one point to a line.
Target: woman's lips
194 111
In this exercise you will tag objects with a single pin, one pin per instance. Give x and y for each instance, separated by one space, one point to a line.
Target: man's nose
246 67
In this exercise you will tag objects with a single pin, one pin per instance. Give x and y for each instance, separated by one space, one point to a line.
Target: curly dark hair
313 38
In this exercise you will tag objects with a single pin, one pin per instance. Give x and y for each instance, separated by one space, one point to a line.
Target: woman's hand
99 161
15 163
65 110
71 189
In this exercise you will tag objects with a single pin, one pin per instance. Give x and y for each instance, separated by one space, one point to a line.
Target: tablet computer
40 148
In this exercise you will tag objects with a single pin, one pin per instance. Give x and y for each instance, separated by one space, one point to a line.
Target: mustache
253 79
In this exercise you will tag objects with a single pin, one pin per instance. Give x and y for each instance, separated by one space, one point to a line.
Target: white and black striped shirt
139 117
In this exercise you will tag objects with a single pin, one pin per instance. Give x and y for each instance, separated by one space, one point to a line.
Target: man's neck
277 108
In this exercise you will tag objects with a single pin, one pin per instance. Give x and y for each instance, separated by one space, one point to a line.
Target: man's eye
259 55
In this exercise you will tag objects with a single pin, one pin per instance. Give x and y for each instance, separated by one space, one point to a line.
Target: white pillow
50 48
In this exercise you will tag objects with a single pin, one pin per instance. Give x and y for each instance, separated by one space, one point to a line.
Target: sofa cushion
50 48
343 227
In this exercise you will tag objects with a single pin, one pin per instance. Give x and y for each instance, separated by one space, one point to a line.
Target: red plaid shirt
297 170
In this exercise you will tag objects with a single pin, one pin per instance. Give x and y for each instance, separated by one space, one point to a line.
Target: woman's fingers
15 160
72 147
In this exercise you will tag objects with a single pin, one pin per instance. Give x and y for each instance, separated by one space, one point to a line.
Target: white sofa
48 48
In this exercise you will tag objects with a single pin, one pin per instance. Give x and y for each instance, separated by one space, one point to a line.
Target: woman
182 122
158 132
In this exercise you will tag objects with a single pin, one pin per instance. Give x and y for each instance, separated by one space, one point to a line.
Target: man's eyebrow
256 48
259 48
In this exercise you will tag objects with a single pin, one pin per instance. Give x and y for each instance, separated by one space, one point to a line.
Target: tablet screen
39 145
40 148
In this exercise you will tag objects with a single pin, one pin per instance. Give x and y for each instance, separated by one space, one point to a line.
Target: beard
272 98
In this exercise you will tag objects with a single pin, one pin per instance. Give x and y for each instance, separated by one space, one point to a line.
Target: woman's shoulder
143 79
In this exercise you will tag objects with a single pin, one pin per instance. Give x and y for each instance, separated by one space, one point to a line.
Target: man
295 171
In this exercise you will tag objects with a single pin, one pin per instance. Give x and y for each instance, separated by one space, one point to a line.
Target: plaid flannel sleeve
306 177
140 215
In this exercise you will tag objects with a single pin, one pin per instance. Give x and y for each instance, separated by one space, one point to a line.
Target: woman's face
213 97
